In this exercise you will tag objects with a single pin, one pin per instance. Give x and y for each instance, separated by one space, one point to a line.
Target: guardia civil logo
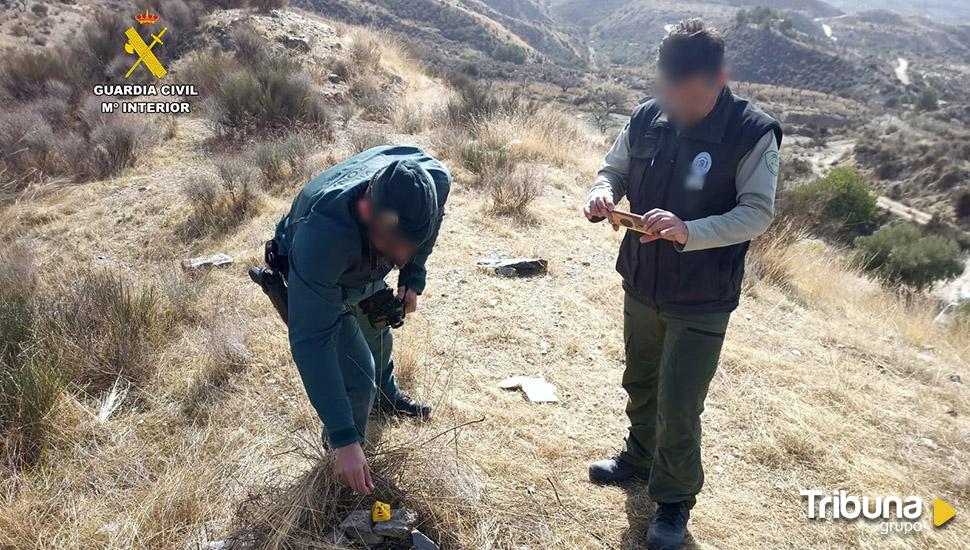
149 98
136 46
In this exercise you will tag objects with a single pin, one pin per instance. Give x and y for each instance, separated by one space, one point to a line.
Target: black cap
407 190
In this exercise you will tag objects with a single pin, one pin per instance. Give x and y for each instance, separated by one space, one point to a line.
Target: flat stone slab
515 267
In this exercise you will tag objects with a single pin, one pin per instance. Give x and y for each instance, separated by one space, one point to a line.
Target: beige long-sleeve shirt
756 181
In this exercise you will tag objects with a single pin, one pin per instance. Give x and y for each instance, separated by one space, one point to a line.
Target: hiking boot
669 526
615 470
405 406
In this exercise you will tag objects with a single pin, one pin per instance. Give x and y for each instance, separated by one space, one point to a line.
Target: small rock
796 353
955 378
358 526
295 42
207 262
399 526
421 541
928 443
216 545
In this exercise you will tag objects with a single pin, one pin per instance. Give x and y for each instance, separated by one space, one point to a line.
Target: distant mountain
944 11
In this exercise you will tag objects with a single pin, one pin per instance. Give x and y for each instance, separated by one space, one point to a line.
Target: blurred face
384 236
690 99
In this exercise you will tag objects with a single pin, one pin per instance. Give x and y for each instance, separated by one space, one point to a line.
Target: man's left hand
661 224
409 297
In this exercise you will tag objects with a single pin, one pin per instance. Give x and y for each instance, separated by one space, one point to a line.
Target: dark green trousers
670 360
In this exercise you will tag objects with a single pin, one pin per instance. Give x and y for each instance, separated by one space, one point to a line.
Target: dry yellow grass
827 381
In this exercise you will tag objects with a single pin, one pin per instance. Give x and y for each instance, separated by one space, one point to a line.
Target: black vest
690 173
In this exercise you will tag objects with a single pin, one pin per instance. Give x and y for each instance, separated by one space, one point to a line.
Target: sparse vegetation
222 200
902 253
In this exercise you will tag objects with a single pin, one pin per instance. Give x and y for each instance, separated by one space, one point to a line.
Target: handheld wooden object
628 220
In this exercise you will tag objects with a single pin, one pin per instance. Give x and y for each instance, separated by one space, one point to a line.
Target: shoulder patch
772 162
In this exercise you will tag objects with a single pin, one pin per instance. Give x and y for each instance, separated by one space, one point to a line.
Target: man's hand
351 467
410 299
599 205
661 224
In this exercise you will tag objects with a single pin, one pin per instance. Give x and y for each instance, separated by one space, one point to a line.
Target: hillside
769 57
470 30
143 405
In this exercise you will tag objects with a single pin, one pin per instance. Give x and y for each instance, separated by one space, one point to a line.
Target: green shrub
961 204
842 201
929 100
29 384
511 53
902 253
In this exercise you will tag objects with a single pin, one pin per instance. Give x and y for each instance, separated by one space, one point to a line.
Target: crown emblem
146 18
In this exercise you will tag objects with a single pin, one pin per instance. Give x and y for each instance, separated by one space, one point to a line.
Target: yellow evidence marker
381 511
942 512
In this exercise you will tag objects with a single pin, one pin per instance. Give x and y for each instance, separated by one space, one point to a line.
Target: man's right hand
351 467
599 205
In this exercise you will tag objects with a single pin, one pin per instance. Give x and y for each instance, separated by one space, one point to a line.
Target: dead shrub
511 190
114 145
29 149
25 75
366 55
220 201
275 94
362 140
284 162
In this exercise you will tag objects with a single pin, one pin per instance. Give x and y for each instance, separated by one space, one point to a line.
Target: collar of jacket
712 128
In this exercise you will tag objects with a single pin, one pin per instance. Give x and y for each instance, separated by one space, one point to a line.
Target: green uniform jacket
331 266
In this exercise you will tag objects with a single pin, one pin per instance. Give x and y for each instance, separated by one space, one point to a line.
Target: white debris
902 70
943 318
112 400
536 390
207 262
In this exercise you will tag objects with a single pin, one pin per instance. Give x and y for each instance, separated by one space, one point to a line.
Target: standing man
346 230
701 165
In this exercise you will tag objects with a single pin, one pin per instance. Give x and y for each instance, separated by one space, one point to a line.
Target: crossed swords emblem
137 46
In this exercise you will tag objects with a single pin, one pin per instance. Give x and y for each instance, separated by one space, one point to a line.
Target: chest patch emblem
698 170
702 164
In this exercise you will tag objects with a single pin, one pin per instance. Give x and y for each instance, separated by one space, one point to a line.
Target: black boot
405 406
669 526
615 470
